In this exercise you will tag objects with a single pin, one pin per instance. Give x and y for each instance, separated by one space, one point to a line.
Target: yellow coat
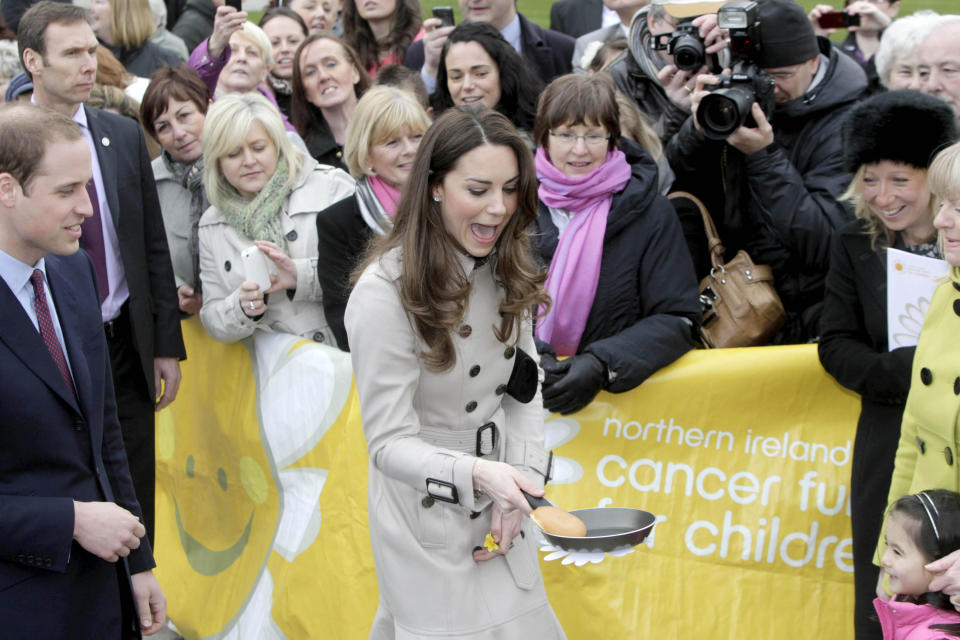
927 456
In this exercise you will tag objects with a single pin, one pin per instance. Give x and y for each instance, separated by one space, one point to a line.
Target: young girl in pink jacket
919 529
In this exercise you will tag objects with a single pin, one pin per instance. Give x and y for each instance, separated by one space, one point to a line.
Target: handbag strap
714 244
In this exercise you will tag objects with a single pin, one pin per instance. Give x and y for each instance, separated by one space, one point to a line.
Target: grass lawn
539 10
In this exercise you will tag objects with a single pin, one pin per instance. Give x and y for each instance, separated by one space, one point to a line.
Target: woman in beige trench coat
440 329
262 191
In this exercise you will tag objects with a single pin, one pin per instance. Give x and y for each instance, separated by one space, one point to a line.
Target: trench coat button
501 388
292 236
475 514
475 371
465 330
922 445
948 456
427 502
508 352
318 337
956 386
471 406
956 286
227 265
926 376
956 307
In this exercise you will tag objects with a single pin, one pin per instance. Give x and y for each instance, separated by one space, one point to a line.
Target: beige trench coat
175 207
221 269
421 430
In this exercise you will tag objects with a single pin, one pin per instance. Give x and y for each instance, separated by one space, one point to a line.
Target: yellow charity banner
743 455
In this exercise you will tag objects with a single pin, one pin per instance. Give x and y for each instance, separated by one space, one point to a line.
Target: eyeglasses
782 75
567 139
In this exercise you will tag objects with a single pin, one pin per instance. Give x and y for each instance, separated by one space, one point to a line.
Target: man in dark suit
548 52
124 237
576 17
68 514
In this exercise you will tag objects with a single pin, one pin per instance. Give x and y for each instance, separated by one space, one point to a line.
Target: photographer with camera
670 43
764 151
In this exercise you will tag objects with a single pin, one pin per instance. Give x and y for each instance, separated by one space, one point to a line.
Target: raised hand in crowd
434 37
227 21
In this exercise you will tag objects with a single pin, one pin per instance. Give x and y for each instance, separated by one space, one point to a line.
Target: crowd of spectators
298 136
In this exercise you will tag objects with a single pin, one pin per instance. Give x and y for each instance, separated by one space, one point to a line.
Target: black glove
571 384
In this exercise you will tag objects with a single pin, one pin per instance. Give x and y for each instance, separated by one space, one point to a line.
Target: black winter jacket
853 349
646 303
142 61
780 203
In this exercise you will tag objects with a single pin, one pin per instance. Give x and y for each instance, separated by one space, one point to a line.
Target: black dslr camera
728 106
684 44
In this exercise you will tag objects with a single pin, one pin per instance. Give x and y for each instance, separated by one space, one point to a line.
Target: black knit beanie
786 34
900 126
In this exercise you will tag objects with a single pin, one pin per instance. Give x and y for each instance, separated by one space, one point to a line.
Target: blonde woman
262 191
382 140
125 27
889 141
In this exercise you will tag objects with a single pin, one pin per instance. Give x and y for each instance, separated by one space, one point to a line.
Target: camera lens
688 53
723 111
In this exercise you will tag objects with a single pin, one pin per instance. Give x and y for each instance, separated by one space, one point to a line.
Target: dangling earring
436 198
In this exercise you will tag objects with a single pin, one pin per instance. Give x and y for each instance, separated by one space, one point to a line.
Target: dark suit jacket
576 17
53 450
135 209
548 52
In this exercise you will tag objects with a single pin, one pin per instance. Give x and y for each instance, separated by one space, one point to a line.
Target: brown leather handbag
740 306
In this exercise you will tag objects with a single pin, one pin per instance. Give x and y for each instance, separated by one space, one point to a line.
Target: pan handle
536 502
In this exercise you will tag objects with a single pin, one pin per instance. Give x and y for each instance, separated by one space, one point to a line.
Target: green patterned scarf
258 218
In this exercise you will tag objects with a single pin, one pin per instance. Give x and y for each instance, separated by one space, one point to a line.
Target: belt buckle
492 427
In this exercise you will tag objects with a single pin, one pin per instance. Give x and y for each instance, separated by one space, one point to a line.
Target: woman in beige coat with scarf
266 192
442 346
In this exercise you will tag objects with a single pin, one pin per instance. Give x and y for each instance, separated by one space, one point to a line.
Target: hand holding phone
838 20
445 14
255 267
235 4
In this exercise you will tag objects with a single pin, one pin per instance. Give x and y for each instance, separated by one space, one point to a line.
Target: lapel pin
105 141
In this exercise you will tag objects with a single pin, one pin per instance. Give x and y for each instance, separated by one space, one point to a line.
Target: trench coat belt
483 441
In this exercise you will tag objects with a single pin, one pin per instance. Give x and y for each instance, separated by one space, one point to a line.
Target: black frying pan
608 528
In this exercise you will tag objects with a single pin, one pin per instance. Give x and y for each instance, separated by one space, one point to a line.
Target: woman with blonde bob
889 140
125 27
382 139
439 322
264 192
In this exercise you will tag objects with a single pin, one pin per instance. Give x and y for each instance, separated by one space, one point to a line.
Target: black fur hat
901 126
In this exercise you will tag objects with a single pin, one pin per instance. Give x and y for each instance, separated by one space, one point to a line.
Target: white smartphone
255 267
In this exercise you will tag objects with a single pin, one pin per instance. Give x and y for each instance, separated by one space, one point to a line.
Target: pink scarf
388 196
575 268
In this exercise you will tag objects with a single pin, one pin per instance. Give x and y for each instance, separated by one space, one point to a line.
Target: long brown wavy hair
357 32
433 289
